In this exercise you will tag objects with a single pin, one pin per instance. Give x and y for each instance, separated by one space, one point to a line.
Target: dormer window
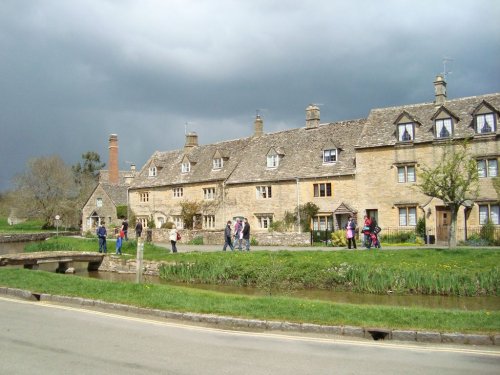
485 123
405 132
330 156
153 171
217 163
444 128
186 167
272 159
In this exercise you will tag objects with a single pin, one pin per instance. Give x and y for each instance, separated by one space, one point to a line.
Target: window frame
153 171
490 209
186 167
408 218
483 116
272 160
217 163
144 196
263 192
322 186
265 221
439 125
486 171
404 127
99 202
178 192
330 156
209 193
208 221
403 178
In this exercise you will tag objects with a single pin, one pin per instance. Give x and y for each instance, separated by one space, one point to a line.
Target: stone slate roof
245 160
117 193
301 153
122 175
381 125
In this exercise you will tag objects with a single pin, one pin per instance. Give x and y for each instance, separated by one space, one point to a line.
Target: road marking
493 352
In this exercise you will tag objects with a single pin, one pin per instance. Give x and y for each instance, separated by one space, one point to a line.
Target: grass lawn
181 299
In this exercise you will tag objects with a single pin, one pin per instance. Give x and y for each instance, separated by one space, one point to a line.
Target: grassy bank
267 308
31 226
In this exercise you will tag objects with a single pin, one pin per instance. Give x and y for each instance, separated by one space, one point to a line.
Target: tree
47 189
307 212
454 180
189 211
89 167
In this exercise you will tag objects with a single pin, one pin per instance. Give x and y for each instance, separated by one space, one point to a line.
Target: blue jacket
101 232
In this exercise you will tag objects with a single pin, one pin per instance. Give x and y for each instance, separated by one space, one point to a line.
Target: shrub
339 239
487 232
196 241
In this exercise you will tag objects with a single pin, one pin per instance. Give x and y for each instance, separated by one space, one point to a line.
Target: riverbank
258 313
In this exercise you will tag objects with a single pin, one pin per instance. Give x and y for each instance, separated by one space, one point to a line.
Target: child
119 240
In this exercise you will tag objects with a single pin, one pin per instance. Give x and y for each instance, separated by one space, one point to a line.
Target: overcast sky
73 72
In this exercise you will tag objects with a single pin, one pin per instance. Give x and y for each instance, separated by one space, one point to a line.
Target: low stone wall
118 264
217 237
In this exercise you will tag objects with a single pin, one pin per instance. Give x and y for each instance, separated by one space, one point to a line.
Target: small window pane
412 216
483 214
401 174
402 217
405 132
481 168
494 214
411 174
492 168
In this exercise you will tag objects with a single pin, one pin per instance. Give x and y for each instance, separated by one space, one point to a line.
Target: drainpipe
298 204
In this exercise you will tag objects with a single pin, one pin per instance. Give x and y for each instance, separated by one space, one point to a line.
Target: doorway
443 217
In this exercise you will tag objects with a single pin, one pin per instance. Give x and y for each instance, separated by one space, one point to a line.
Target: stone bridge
63 258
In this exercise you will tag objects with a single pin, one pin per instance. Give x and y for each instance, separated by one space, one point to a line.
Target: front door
443 218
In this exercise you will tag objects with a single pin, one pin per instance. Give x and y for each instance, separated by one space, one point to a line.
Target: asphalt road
40 338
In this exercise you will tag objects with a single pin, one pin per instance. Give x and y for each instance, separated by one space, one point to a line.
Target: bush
196 241
487 232
339 238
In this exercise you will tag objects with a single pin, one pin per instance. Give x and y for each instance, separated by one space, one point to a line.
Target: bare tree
47 188
454 180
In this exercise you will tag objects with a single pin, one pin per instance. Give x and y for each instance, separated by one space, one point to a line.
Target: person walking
366 232
246 234
101 234
119 241
174 236
227 237
125 229
238 235
351 232
138 229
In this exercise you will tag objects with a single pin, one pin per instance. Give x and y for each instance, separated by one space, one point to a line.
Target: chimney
258 126
113 159
439 90
312 116
191 141
132 167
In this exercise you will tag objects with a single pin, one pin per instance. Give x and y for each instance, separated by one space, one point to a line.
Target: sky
74 72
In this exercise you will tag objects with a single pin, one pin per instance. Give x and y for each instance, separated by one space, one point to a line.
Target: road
40 338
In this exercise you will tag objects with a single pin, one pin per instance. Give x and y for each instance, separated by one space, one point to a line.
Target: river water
489 303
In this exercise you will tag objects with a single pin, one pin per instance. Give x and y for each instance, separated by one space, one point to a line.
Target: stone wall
217 237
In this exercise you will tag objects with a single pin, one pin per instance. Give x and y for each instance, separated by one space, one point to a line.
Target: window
406 174
186 167
217 163
263 192
329 156
444 128
209 193
485 123
178 192
144 197
405 132
407 216
208 221
152 171
265 221
489 211
272 160
323 222
323 190
487 168
160 220
98 202
179 223
144 221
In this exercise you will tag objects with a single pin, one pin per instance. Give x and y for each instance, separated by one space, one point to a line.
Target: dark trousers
228 242
102 245
351 241
174 246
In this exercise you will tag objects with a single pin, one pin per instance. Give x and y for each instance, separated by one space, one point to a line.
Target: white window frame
186 167
408 216
273 160
98 202
208 221
264 192
487 168
144 196
406 173
482 120
321 190
217 163
443 125
409 127
153 171
179 223
489 211
209 193
330 156
178 192
265 221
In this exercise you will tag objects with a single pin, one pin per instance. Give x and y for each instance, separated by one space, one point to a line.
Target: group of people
121 235
370 232
241 233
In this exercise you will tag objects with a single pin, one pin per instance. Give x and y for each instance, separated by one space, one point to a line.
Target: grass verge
297 310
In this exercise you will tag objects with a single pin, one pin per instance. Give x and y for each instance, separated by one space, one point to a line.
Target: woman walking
351 232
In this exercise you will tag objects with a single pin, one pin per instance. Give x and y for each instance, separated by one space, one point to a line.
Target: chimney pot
312 116
439 90
258 126
113 159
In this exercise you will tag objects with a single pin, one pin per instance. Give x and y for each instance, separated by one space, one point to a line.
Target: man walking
246 234
101 234
227 237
